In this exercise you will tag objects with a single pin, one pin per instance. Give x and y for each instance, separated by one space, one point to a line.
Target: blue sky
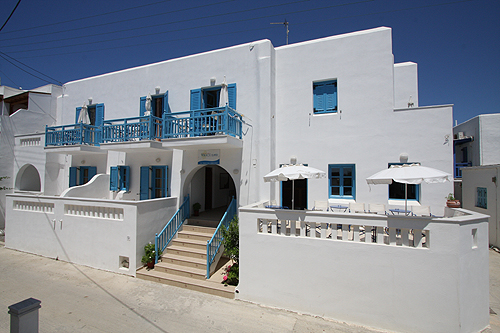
455 43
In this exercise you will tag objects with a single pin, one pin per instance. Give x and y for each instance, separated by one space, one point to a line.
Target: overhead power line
4 56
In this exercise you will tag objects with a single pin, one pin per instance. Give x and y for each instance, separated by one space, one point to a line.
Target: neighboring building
22 112
476 143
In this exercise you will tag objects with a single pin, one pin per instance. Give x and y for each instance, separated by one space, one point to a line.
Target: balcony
458 168
175 125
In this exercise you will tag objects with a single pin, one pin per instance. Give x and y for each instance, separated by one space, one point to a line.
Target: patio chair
377 209
355 207
421 211
321 205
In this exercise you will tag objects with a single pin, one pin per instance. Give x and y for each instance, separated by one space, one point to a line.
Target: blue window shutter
195 99
124 178
319 101
165 181
92 172
78 109
99 114
142 106
166 109
331 97
113 179
144 190
231 95
72 176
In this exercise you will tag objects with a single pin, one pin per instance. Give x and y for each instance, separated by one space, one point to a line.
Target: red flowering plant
231 243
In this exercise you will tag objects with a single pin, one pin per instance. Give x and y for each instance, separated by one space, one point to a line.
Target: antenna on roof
286 28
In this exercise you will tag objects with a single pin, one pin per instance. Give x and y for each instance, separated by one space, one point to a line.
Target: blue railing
75 134
203 122
215 242
167 234
130 129
458 168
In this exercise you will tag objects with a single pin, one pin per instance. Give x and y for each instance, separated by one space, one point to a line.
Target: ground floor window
482 197
154 182
342 181
81 175
119 178
397 190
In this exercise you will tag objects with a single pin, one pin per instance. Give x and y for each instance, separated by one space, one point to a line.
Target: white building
339 104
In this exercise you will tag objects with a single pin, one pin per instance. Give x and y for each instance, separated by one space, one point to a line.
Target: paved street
81 299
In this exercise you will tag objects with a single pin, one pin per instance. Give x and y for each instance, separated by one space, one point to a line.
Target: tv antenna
286 28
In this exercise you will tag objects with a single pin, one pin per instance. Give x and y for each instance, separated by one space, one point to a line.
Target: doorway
300 199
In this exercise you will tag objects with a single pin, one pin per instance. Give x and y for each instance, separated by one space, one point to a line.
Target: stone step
203 286
201 236
190 243
199 229
187 252
184 261
190 272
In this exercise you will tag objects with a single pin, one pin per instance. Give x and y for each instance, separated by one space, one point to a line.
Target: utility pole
286 28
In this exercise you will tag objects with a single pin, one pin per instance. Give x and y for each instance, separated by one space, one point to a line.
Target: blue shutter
142 106
113 179
319 104
92 172
124 178
165 181
195 99
78 109
72 176
166 109
231 95
331 97
99 114
144 190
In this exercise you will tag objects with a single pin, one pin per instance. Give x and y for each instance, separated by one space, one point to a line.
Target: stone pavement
81 299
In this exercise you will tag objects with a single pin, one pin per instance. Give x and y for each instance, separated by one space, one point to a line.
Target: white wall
405 85
490 138
483 176
441 288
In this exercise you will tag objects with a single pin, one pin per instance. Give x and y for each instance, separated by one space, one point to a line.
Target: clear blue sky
455 43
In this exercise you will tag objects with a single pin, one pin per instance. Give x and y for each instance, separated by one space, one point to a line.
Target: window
482 198
325 96
119 178
154 182
81 175
206 98
96 114
397 190
159 105
342 181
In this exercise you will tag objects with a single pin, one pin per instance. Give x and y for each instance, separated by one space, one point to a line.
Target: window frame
148 183
482 197
119 178
76 175
417 187
325 101
341 185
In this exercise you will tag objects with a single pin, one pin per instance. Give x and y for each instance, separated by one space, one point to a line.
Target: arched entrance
211 186
28 179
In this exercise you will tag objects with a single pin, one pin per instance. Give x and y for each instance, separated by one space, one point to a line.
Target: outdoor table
340 207
399 210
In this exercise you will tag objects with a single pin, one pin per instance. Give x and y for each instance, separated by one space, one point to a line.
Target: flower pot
453 203
151 265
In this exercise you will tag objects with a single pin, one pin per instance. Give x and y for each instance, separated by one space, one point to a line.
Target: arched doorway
211 186
28 179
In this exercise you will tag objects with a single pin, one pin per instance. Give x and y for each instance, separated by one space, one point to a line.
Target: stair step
187 252
200 229
204 286
190 243
184 261
202 236
194 273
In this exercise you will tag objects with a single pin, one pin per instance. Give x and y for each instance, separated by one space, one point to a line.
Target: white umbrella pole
293 194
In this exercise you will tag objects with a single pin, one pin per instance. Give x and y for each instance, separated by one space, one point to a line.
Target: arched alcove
28 179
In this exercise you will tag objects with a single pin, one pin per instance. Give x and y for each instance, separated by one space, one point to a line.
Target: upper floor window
342 181
95 114
482 198
159 105
206 98
325 96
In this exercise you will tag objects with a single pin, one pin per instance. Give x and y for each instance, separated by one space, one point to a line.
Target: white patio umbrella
148 105
223 99
83 117
293 172
409 174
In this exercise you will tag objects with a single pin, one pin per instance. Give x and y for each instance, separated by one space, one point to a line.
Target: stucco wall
405 85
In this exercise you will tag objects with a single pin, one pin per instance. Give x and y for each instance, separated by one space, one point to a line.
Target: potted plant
148 258
196 208
452 202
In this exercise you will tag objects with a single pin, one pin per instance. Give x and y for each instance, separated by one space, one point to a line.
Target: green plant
450 197
149 255
196 206
231 244
232 275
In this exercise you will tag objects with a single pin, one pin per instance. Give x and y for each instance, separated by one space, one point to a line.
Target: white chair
377 209
320 205
421 211
355 207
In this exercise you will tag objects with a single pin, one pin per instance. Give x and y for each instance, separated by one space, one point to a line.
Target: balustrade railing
75 134
168 232
458 168
213 245
132 129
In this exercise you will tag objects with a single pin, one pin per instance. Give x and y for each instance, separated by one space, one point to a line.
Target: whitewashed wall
405 85
439 288
85 231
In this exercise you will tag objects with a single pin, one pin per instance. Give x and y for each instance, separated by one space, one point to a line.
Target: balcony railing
186 124
76 134
458 168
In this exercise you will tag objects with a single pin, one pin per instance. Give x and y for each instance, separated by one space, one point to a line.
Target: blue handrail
128 129
168 232
458 168
75 134
215 242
